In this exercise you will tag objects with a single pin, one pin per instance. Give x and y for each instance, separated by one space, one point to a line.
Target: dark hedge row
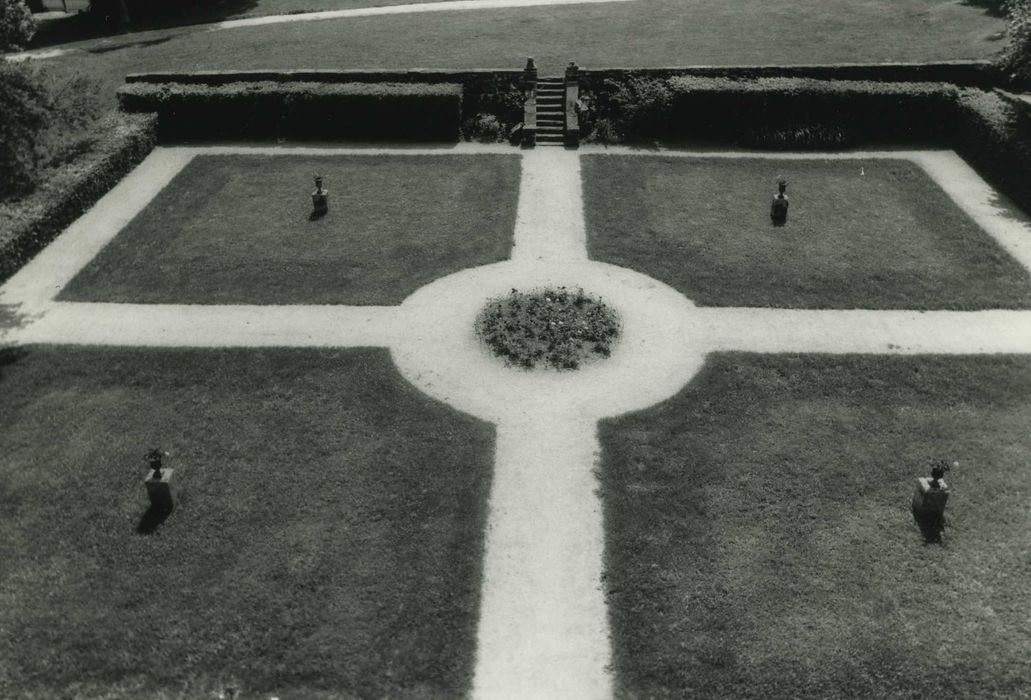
742 112
993 134
39 218
298 110
964 72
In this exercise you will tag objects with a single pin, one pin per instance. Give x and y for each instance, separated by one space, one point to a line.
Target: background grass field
889 238
760 543
641 33
235 229
328 539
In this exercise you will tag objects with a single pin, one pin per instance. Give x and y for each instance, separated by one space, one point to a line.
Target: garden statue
938 470
154 460
158 483
779 208
319 198
932 493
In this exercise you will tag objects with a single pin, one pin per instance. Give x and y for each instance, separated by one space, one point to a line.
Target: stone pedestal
929 501
159 490
320 202
779 211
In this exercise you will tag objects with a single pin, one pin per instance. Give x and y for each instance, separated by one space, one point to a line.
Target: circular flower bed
556 328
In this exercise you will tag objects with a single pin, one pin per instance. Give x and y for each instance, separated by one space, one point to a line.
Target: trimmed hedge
979 73
970 73
748 112
30 224
299 110
993 134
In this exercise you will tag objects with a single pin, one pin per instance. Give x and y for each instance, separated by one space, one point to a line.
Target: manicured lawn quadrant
328 540
236 230
873 234
760 541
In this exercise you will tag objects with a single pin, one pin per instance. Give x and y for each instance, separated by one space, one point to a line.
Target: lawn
327 542
641 33
235 229
876 234
760 544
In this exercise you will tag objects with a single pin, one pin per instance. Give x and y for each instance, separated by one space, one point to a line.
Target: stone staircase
551 115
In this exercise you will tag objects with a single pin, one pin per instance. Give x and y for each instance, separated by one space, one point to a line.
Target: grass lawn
888 239
286 7
235 229
760 543
327 543
639 33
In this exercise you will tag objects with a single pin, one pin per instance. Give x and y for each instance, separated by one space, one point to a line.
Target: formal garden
325 374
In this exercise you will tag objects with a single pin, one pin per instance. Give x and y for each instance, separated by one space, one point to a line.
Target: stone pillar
572 103
529 75
529 80
572 73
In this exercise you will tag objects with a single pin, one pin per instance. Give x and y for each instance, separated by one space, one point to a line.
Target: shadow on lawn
932 527
993 8
131 45
154 516
145 17
9 356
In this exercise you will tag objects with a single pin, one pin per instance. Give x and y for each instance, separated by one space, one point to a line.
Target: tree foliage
17 26
42 120
1016 57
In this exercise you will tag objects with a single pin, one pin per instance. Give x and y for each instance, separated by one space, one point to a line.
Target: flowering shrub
557 328
485 128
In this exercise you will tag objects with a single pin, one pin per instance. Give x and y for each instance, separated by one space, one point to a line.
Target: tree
17 26
45 117
24 106
1016 57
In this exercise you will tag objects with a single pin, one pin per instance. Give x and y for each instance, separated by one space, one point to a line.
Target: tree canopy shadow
9 356
104 19
994 8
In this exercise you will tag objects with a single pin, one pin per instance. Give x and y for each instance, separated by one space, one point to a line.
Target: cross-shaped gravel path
543 628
